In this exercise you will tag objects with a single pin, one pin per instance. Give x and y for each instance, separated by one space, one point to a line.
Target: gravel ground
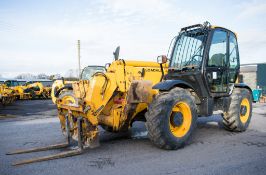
212 150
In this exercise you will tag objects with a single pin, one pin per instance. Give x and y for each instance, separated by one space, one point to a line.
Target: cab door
234 63
217 64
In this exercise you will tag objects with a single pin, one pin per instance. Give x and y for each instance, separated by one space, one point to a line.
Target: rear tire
238 117
166 129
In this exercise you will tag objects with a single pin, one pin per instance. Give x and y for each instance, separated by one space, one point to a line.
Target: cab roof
205 25
215 27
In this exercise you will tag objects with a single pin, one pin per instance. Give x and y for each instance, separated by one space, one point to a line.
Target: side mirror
107 65
116 53
162 59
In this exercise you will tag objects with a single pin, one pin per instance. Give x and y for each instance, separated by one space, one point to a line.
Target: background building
254 75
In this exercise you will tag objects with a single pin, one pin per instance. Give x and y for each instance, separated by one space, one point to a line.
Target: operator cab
89 71
207 52
203 58
11 83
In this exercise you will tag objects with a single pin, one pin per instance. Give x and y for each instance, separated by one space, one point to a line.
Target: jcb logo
152 70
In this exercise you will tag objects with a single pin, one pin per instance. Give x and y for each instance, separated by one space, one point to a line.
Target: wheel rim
180 119
244 110
67 100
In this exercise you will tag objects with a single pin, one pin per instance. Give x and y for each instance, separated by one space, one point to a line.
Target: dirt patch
101 163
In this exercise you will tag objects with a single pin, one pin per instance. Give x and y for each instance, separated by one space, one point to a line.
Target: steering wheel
192 59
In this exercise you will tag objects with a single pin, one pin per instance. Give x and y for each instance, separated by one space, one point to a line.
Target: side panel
100 91
169 84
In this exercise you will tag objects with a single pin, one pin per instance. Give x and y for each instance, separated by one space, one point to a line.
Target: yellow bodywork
58 84
113 99
32 90
40 90
7 95
19 91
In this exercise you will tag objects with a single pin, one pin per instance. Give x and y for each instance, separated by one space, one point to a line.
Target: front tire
238 117
171 119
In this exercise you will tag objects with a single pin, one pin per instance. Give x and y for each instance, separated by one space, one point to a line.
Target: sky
41 36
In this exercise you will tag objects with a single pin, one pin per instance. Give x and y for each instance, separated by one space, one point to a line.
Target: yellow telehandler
198 80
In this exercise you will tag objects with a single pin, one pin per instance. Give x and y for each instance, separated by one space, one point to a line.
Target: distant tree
71 79
42 76
72 73
54 76
26 76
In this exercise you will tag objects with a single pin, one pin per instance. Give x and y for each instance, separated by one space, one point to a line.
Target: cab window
217 62
217 53
233 57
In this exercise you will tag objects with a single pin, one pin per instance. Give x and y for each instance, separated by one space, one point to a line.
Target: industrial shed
254 75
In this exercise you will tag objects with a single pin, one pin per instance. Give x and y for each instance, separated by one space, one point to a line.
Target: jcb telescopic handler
198 79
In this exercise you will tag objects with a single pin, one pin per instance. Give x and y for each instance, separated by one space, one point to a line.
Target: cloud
47 40
251 9
252 44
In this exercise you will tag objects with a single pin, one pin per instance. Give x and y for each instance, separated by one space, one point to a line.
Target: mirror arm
161 66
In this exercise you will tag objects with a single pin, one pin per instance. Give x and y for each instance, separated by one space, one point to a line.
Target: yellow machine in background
7 95
20 92
18 89
29 90
38 90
